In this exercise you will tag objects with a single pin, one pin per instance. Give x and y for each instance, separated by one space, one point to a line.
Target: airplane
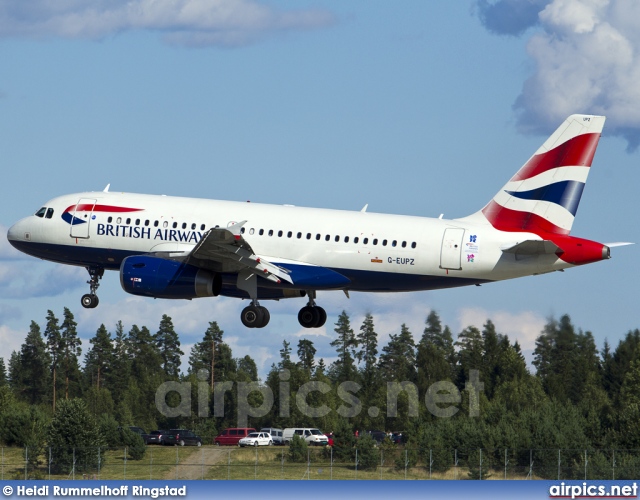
186 248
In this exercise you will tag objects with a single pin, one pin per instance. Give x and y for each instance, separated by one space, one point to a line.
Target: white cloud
10 340
586 59
523 326
183 22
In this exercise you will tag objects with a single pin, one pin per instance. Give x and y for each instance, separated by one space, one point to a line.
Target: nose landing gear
90 300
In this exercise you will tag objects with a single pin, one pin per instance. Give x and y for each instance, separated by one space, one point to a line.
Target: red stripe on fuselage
577 151
87 207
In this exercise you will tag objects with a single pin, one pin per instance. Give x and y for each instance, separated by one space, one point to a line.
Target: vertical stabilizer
544 195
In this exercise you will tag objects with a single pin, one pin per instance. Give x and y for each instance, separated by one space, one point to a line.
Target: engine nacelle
167 279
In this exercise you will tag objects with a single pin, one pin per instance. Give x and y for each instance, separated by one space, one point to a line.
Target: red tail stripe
577 151
505 219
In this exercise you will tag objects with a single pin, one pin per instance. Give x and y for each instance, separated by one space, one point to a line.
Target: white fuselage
377 252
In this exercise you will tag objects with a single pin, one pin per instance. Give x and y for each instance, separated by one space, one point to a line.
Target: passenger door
81 218
451 251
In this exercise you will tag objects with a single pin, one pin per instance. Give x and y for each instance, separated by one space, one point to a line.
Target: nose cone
19 233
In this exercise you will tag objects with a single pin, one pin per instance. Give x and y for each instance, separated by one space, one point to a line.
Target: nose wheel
90 300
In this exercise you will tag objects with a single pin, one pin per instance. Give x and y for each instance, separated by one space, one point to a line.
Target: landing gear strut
90 300
311 315
255 315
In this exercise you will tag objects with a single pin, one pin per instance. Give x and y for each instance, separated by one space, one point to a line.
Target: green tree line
578 398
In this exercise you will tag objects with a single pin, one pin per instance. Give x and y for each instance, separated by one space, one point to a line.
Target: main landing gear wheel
255 316
312 316
90 300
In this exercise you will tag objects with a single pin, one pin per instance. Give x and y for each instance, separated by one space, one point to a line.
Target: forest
577 398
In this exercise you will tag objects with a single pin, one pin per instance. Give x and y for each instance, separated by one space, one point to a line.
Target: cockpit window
49 213
41 212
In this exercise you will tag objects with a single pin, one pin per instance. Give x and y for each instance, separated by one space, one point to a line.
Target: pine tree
70 352
345 345
211 354
55 348
470 346
491 357
168 345
306 353
3 373
435 357
398 358
121 370
15 370
367 355
146 361
34 363
100 357
247 369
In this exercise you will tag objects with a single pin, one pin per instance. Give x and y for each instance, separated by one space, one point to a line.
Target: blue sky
413 107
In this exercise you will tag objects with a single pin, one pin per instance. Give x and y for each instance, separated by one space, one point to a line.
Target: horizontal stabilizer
619 244
533 247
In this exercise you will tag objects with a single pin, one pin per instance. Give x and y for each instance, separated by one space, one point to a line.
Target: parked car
396 437
230 437
256 439
168 438
185 437
310 435
155 437
377 436
276 435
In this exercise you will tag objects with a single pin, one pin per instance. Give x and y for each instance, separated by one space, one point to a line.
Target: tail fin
544 195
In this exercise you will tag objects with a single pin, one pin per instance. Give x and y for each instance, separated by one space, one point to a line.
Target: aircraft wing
227 248
533 247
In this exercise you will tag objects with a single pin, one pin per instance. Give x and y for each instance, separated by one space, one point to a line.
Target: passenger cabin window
365 241
49 213
193 226
251 231
356 239
128 221
413 245
155 223
119 220
346 239
146 222
375 241
175 225
184 225
137 222
165 224
109 219
202 227
40 213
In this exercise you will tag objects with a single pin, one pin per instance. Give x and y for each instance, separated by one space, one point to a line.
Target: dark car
397 438
155 437
377 436
184 437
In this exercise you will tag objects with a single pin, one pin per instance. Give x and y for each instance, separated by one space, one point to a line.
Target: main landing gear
90 300
255 315
311 315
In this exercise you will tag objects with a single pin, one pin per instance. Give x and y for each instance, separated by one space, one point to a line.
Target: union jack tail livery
543 196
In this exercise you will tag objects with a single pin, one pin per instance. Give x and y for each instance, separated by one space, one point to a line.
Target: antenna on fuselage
364 209
106 190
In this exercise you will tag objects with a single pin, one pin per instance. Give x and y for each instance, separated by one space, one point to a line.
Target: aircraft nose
18 233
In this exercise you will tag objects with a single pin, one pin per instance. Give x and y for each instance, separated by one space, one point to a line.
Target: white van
276 435
310 435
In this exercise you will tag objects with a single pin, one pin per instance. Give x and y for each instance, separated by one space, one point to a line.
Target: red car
230 437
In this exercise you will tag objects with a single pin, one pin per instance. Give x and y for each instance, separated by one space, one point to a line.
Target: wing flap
227 245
